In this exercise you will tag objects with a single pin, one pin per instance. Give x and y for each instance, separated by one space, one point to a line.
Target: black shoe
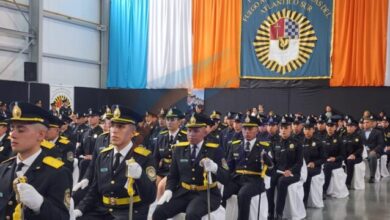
323 196
349 187
279 217
372 180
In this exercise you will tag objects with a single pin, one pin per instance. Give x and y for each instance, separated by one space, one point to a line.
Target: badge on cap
247 119
162 111
108 110
117 112
170 112
193 120
16 111
90 111
283 120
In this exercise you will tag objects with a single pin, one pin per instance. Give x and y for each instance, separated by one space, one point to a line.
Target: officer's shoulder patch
264 143
212 145
182 144
236 142
142 151
110 147
47 144
64 141
183 132
164 132
9 159
53 162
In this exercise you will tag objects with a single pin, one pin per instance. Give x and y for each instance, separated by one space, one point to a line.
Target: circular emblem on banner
60 99
285 41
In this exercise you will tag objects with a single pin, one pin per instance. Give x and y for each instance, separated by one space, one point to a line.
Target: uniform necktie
117 161
247 146
19 167
193 153
171 139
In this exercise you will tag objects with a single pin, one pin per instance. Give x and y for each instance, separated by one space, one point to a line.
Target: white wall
59 38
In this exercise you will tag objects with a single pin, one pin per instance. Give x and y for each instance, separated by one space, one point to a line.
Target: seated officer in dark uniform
164 146
321 127
103 140
354 148
5 144
85 150
386 132
248 160
33 186
227 133
272 128
288 159
63 147
297 128
334 151
186 189
313 153
121 170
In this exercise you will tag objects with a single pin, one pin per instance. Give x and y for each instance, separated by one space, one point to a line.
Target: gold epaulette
47 144
53 162
9 159
212 145
63 137
64 141
182 144
142 151
183 132
264 143
164 132
236 142
110 147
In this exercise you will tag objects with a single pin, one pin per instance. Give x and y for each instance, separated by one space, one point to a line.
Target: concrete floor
373 203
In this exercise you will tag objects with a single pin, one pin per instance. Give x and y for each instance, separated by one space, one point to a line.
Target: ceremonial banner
58 93
286 39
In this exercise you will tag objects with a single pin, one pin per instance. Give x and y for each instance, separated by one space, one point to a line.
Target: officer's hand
165 197
134 170
351 157
82 184
287 173
30 197
209 165
331 159
77 213
311 165
87 157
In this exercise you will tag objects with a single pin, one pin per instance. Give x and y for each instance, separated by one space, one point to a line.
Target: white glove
30 197
165 197
134 170
77 213
82 184
209 165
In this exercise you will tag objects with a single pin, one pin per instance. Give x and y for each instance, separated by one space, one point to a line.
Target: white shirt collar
2 136
174 133
251 143
55 140
30 160
125 150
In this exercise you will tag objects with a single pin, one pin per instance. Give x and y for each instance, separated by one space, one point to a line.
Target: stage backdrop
228 44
